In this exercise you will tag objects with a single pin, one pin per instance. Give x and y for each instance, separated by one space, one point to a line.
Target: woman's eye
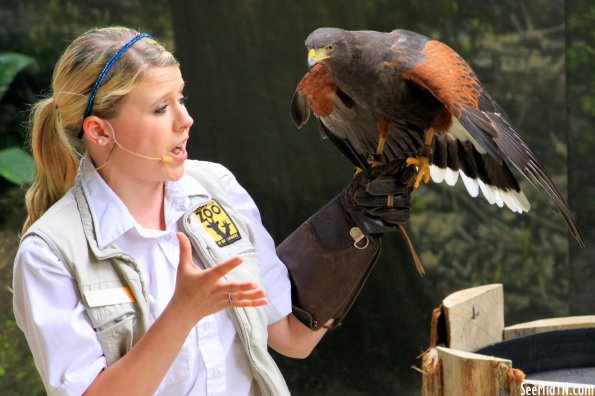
161 110
183 100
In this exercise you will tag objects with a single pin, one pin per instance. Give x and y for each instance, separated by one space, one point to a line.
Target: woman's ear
95 130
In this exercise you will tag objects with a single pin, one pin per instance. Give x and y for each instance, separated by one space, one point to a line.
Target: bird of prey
379 96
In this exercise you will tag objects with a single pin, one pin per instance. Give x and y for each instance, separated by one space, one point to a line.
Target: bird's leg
382 124
422 161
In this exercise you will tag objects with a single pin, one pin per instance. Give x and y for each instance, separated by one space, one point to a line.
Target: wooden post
452 372
473 317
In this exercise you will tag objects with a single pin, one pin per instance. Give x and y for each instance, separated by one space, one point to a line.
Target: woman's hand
198 293
201 292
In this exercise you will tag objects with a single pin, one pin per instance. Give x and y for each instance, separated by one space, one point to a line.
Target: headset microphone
166 159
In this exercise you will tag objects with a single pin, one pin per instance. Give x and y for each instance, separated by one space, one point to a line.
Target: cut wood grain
474 317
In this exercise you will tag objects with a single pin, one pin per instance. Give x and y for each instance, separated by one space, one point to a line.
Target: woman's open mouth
179 152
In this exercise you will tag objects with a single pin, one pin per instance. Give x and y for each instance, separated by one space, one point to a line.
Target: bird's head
329 46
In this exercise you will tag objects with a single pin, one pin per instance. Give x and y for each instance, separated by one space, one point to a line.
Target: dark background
242 60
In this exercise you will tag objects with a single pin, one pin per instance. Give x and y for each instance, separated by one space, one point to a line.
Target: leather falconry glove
330 256
378 199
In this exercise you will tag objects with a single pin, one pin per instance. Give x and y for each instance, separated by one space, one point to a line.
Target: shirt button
215 373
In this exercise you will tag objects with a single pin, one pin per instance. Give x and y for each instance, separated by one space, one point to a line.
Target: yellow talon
423 169
422 162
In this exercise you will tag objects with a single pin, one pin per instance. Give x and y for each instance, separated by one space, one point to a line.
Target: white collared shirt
49 310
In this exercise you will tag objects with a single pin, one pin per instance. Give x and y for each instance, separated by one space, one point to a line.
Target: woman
136 203
140 271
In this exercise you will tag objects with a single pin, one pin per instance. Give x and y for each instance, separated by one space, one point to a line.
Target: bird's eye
329 48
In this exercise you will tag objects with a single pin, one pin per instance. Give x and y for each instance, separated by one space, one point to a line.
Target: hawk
379 96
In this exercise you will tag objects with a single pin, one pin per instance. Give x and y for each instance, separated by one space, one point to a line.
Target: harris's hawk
378 96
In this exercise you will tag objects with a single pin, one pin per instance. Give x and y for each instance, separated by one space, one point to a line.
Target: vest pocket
116 334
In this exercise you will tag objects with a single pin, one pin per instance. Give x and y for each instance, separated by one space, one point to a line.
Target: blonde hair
55 121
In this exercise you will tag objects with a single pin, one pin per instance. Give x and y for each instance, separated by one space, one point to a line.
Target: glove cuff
329 260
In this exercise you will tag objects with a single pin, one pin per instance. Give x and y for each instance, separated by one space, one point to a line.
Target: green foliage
18 375
581 108
11 64
16 166
581 52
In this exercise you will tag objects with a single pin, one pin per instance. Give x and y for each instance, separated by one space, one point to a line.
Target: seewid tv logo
218 223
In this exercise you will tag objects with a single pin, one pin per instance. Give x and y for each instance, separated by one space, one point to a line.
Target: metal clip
358 236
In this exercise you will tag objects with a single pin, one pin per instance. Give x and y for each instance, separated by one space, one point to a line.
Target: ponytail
55 160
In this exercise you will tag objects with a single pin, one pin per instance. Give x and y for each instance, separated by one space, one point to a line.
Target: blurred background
242 60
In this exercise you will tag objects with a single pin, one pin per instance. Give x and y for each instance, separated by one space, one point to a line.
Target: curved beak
315 56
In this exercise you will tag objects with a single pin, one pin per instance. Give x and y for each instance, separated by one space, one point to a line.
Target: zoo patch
218 223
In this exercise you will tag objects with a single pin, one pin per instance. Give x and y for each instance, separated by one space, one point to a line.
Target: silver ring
229 300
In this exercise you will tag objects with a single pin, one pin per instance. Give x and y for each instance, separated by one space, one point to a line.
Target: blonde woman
143 272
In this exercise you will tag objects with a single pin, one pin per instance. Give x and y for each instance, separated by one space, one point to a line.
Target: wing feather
452 81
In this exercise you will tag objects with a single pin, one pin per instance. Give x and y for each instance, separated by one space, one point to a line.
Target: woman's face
152 122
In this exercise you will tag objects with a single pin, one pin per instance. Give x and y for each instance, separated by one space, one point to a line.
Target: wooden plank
542 325
474 317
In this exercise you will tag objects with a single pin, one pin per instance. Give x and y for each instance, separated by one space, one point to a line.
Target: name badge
218 223
103 297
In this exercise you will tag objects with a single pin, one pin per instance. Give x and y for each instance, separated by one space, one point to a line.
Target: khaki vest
67 227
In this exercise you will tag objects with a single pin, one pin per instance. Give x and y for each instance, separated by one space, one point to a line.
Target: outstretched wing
353 130
452 81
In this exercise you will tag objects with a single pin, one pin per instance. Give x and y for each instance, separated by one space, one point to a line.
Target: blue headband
106 69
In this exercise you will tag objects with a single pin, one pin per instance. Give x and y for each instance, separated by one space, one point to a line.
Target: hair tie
106 69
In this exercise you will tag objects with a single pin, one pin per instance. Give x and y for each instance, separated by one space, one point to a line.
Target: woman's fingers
186 258
223 268
251 298
210 286
243 294
185 249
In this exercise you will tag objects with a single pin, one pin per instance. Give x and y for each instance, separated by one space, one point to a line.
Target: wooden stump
452 372
470 318
474 318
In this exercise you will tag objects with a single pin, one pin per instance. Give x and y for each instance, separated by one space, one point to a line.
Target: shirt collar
111 218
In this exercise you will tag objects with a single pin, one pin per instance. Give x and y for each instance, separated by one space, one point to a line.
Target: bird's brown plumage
362 83
319 89
448 77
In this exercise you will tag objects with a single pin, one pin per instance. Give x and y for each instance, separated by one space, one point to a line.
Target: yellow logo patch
218 223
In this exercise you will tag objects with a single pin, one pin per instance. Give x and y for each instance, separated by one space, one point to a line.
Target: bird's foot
375 159
423 169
